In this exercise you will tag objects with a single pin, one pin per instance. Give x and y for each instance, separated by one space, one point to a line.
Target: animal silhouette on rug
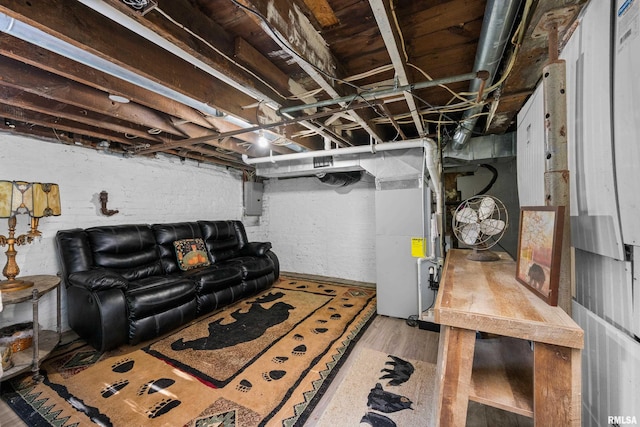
400 373
387 402
247 326
377 420
536 276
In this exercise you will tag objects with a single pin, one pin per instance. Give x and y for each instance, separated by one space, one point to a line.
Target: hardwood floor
388 335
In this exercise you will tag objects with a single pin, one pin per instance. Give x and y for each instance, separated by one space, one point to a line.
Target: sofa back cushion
223 239
129 250
166 235
74 251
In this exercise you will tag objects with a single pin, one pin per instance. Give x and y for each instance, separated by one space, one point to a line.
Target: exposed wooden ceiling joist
199 71
290 28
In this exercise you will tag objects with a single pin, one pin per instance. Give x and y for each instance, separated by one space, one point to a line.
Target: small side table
543 384
43 341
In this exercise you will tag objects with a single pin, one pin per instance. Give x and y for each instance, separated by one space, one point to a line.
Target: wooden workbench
501 369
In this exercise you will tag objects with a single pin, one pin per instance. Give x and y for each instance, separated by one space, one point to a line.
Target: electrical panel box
253 198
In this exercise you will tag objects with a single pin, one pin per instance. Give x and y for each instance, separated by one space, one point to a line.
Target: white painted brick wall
319 229
314 228
144 190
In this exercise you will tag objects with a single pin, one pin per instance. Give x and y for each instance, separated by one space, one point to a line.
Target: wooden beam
322 11
49 61
64 125
287 25
382 10
28 101
47 85
186 27
248 55
530 59
240 131
86 29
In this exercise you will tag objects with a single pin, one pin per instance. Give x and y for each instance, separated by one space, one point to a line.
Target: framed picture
539 246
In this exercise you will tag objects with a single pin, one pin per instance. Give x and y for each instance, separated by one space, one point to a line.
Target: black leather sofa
130 283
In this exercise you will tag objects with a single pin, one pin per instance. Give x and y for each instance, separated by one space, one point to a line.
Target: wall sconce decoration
20 197
104 199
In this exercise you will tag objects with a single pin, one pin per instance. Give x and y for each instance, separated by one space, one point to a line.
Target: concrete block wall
319 229
144 190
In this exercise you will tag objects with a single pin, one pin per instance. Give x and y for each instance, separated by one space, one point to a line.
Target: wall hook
104 198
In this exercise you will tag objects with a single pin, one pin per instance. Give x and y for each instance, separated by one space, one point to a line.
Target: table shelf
504 371
502 375
23 360
44 341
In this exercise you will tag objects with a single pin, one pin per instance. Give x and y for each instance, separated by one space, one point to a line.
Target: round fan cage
480 222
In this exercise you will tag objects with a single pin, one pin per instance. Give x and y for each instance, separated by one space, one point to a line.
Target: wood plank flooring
388 335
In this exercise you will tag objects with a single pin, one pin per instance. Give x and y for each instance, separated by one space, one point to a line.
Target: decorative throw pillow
191 253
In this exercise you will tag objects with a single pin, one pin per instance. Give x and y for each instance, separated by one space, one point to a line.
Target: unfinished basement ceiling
209 79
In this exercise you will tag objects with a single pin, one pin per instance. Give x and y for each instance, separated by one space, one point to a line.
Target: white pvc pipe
358 149
430 154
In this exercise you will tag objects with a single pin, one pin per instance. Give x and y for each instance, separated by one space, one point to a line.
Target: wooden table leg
455 362
556 385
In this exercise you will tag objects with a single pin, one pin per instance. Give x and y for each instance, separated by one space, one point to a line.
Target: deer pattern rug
264 360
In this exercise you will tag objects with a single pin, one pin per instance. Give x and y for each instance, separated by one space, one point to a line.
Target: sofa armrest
255 249
98 279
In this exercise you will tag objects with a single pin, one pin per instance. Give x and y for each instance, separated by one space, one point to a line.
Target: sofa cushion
191 253
129 250
223 239
75 251
97 280
251 267
213 279
154 295
166 234
256 266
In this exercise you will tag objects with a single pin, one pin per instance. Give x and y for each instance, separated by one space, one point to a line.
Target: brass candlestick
11 269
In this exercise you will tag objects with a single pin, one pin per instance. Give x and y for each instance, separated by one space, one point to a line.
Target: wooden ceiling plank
31 102
288 26
393 41
322 11
60 124
527 68
420 20
45 84
86 29
220 58
54 63
178 21
249 56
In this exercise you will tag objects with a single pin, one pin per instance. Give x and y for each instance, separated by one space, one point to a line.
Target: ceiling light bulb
119 99
263 141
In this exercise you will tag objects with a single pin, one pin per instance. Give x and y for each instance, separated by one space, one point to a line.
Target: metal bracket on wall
104 198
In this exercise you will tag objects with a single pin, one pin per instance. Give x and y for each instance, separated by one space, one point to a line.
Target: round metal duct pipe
499 17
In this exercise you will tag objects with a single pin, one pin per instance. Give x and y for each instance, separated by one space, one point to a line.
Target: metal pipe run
499 17
384 93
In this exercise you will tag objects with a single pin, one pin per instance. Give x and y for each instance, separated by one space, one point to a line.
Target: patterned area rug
262 361
383 390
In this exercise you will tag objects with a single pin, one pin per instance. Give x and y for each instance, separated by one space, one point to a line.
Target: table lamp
20 197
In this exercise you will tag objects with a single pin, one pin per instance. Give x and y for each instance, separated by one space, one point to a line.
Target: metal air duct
499 17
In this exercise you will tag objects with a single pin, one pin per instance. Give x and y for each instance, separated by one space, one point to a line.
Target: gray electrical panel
253 198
